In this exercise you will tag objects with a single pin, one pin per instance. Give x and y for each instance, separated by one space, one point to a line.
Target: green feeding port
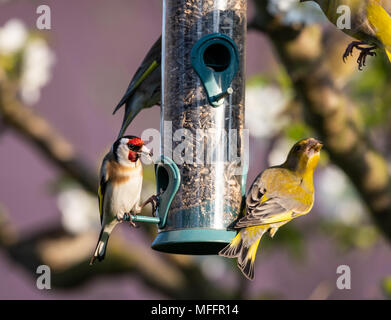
163 178
215 59
168 180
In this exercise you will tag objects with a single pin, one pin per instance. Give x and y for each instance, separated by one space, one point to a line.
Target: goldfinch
121 178
277 195
370 23
144 88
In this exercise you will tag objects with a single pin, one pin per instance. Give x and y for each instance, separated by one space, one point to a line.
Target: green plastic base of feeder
192 241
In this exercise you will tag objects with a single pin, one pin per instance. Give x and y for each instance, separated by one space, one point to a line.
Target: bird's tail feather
101 246
245 251
119 105
246 260
233 249
132 109
127 120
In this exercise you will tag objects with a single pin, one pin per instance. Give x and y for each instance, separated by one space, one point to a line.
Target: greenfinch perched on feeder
144 88
278 195
121 178
370 24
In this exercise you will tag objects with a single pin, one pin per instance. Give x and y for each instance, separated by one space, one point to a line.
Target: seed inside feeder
210 194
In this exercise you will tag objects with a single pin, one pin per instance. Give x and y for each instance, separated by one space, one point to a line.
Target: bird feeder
201 174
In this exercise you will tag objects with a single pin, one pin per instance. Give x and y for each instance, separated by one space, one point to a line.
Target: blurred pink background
98 46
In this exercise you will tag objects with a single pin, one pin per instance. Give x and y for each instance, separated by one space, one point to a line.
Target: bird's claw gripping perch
128 217
364 52
154 201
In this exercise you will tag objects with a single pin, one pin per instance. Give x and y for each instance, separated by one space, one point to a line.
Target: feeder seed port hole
217 57
163 178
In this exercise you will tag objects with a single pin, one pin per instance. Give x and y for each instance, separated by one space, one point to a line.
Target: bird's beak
144 150
317 145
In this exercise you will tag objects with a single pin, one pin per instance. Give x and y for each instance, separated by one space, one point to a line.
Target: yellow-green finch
370 24
277 195
144 88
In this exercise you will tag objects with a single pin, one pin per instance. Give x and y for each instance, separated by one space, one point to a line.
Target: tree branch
67 254
313 59
45 137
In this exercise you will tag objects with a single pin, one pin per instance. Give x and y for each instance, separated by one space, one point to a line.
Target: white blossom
79 210
264 106
345 206
38 60
292 11
13 36
279 152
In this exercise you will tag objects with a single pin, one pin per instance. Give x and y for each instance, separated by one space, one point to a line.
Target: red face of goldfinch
130 148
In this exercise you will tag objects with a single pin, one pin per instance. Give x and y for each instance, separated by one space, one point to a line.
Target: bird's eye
297 148
132 147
